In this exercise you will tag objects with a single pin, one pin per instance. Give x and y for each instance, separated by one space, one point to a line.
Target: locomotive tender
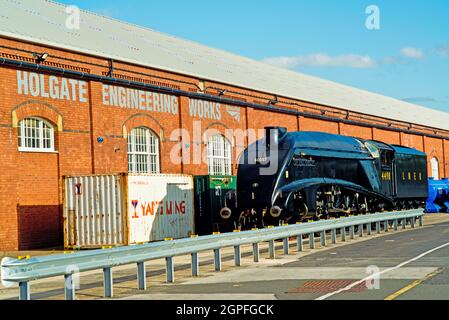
318 175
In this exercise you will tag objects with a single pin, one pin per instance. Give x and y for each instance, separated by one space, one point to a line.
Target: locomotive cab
385 166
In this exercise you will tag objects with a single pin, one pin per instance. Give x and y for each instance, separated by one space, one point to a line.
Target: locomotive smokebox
273 135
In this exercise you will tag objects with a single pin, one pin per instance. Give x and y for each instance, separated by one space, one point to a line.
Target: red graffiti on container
161 208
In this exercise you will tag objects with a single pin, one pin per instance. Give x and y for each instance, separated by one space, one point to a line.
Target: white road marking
376 275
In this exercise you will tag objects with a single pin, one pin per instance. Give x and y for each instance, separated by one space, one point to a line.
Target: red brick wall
446 157
434 148
307 124
31 183
354 131
412 141
386 136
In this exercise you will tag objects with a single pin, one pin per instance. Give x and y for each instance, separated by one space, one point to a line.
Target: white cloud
444 50
412 53
322 60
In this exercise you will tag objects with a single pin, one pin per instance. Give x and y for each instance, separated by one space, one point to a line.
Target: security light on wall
40 57
275 101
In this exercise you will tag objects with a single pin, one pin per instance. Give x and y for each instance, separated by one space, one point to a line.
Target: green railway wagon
214 196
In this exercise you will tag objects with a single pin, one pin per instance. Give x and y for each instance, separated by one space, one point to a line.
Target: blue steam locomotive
294 176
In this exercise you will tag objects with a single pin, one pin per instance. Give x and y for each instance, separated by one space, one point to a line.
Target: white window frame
219 156
41 126
435 167
149 157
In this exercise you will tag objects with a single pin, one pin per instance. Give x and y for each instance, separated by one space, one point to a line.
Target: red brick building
103 97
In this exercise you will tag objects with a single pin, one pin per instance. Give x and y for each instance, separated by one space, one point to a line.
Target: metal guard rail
23 271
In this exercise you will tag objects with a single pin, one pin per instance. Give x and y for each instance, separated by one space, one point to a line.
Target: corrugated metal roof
43 22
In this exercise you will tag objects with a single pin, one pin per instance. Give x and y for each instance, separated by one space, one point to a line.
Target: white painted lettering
34 84
82 91
142 105
44 94
174 105
122 97
65 90
73 84
22 82
113 96
105 94
54 87
156 104
149 97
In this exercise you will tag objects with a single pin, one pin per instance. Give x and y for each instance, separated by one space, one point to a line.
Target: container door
93 211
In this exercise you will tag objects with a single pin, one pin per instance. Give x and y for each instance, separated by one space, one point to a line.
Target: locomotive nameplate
301 162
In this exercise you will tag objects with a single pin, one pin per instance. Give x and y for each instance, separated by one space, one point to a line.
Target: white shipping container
127 209
160 206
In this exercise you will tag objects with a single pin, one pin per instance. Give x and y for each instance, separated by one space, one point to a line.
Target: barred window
219 155
36 135
143 151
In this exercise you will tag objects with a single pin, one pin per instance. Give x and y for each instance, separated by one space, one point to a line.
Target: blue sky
408 58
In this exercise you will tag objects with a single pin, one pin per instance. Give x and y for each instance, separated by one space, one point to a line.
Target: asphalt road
323 275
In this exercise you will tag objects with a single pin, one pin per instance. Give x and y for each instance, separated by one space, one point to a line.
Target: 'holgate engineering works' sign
59 88
39 85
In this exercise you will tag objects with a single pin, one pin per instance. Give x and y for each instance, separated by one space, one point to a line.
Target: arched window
219 155
435 168
36 135
143 151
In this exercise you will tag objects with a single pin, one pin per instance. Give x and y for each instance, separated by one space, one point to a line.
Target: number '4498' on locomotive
292 176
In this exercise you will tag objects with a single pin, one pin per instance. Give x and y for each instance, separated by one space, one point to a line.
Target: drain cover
326 286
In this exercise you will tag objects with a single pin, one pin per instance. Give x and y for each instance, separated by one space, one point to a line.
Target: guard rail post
323 238
351 232
237 256
271 249
386 225
170 269
343 234
360 229
141 276
195 265
395 224
69 288
286 247
217 259
412 223
334 236
312 240
421 221
404 224
24 290
378 227
300 244
256 252
368 229
108 282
